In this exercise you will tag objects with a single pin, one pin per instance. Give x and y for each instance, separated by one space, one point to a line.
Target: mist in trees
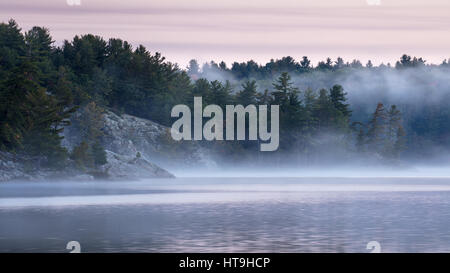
419 91
334 111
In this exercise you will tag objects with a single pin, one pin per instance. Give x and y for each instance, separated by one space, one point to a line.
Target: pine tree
339 63
44 121
393 123
223 66
98 154
221 93
305 63
90 123
13 85
324 111
81 156
39 49
248 94
202 88
283 87
264 98
395 133
376 134
309 102
292 112
14 115
337 97
32 116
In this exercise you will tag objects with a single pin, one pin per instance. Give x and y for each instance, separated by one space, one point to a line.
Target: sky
240 30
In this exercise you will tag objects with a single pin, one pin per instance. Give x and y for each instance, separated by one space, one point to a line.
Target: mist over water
277 214
346 171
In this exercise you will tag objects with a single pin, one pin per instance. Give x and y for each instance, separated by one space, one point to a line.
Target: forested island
330 113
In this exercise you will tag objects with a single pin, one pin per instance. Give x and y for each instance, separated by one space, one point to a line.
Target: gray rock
19 167
125 167
11 168
82 177
131 145
129 135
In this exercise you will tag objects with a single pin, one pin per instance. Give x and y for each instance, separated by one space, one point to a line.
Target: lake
227 215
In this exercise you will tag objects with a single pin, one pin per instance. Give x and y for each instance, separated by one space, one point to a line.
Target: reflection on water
227 215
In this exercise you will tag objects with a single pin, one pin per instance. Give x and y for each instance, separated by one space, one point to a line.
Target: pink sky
240 30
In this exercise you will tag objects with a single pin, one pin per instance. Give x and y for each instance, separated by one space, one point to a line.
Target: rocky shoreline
17 168
127 154
136 148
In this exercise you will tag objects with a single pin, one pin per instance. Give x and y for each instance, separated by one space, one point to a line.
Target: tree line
251 69
44 88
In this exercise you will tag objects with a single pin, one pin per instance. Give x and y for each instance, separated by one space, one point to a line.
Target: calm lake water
227 215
